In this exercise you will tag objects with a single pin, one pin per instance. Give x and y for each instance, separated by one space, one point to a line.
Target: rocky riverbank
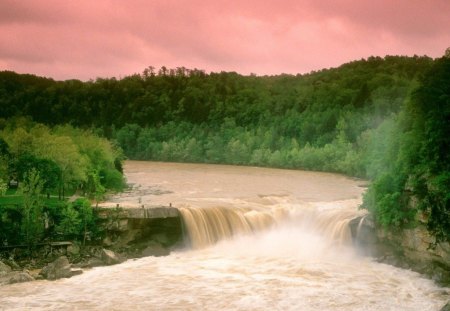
127 234
63 262
414 249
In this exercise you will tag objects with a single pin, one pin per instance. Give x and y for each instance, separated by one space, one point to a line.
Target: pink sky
85 39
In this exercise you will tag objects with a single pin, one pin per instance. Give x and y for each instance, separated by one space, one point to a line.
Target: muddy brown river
259 239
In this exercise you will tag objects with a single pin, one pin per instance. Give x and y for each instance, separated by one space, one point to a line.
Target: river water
259 239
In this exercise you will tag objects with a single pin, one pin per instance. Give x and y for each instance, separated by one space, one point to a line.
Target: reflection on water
262 240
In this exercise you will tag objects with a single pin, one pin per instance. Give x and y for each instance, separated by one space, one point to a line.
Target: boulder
4 269
111 258
20 277
155 249
60 268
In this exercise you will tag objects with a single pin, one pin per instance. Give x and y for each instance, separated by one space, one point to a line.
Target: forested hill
381 118
155 98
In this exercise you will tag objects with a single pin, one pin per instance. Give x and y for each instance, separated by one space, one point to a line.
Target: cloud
87 39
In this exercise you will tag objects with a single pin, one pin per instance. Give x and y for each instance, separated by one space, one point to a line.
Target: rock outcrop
412 248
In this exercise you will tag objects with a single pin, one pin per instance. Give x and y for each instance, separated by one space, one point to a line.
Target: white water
263 240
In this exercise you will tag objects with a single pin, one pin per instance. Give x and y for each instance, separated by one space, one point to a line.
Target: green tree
32 220
86 216
63 151
94 187
70 223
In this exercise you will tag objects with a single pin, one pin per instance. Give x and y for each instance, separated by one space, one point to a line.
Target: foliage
32 220
412 159
3 187
88 227
10 224
95 189
50 160
69 225
76 220
429 121
64 156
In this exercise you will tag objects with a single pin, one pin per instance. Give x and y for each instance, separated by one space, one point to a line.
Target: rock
93 262
4 269
15 277
110 258
77 272
20 277
73 250
155 249
60 268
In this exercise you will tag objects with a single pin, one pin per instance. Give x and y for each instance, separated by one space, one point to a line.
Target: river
259 239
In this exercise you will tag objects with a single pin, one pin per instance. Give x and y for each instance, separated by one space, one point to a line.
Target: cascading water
277 240
205 226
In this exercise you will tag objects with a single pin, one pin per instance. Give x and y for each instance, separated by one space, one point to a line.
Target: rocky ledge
413 249
71 261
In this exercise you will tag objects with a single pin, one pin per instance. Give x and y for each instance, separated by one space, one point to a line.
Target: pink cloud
87 39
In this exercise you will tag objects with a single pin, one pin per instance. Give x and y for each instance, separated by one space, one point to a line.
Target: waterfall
205 226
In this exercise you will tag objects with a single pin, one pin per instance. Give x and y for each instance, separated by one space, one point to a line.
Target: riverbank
127 233
69 259
412 249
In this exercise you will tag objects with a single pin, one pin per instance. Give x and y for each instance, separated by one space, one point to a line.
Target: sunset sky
85 39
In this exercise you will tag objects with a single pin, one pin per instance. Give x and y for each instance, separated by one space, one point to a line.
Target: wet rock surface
413 249
111 258
20 277
60 268
9 276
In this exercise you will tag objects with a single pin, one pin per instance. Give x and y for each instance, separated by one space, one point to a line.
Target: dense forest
384 119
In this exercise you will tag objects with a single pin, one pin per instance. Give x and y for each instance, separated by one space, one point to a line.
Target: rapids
259 239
